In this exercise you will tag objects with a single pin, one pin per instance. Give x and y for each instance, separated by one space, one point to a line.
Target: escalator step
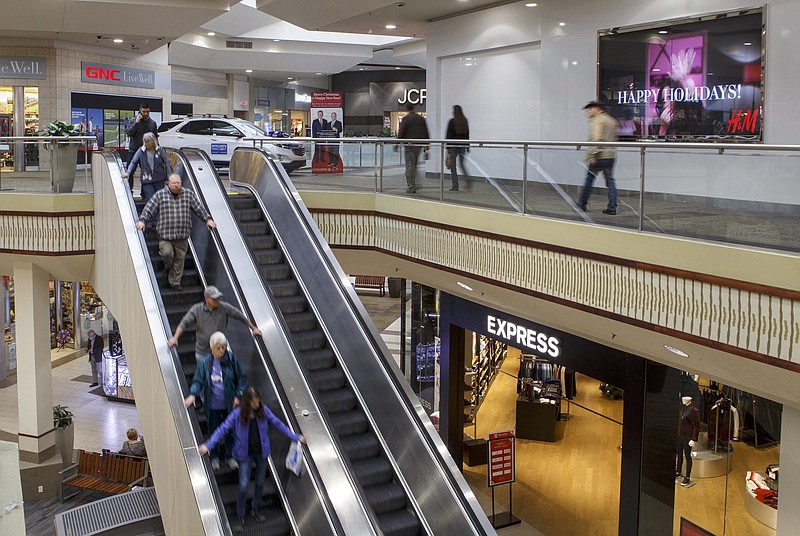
286 287
291 304
255 228
338 400
228 491
305 321
361 446
310 340
266 241
349 422
248 214
386 497
276 523
242 201
268 256
373 471
399 523
319 358
327 379
275 272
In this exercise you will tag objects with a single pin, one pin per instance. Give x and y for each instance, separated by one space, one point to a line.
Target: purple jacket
242 432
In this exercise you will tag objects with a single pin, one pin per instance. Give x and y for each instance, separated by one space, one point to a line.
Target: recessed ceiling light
248 70
360 68
468 59
397 67
464 286
319 74
531 5
574 63
663 31
747 43
562 23
710 74
118 40
676 350
211 34
656 70
289 78
467 65
276 40
391 26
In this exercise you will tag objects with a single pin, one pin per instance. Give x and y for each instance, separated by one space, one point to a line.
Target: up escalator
358 440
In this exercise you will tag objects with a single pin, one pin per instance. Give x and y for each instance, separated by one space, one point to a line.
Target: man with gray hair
207 317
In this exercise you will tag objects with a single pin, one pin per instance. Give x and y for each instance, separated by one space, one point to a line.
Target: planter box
64 158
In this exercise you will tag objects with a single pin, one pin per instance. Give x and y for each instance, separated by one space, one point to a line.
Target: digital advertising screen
699 80
107 116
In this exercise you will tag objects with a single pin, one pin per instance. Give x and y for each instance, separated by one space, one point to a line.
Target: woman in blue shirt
250 423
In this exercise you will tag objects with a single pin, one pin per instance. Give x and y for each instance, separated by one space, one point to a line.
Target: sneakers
610 211
685 482
454 188
238 525
258 516
215 464
233 464
411 190
176 287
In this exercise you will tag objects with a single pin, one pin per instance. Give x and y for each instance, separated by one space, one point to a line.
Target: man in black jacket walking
94 347
136 132
413 127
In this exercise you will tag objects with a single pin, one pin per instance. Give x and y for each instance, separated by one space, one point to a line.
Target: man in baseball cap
207 317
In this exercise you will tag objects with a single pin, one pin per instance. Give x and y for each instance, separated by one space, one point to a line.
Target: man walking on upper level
602 127
413 127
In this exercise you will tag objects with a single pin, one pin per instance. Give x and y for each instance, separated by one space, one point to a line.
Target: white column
34 372
3 356
789 494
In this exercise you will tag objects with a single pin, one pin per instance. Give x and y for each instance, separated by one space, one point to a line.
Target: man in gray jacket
602 127
413 127
208 317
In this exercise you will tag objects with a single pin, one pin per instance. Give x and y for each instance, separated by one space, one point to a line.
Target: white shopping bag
294 460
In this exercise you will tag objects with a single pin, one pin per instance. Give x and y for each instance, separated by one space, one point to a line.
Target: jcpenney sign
521 336
22 67
117 75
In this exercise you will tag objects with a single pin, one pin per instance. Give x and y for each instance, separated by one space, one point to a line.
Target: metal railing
45 164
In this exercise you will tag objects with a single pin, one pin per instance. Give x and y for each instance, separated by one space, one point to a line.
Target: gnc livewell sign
117 75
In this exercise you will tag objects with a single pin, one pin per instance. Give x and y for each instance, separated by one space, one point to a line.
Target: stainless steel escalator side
441 495
334 484
122 275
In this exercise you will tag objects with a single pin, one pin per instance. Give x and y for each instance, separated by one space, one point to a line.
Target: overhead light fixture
468 59
663 31
574 63
360 68
531 4
289 78
248 70
211 34
467 65
397 68
562 23
747 43
118 40
656 70
276 40
319 74
465 286
676 351
391 26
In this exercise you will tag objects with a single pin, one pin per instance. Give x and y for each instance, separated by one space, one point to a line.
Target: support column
34 372
789 495
3 356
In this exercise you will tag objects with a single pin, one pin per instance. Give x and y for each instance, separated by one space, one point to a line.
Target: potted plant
64 156
65 433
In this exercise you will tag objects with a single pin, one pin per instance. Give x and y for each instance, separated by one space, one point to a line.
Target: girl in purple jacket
250 423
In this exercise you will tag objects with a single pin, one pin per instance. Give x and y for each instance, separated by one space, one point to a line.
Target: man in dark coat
94 347
413 127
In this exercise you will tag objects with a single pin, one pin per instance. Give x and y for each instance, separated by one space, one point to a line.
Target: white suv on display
219 136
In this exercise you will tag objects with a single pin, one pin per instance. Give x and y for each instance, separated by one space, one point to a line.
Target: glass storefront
30 105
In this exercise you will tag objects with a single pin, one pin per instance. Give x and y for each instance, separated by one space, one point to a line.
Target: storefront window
426 346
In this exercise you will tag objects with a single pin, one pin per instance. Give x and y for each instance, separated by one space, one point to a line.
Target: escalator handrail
459 489
211 508
242 299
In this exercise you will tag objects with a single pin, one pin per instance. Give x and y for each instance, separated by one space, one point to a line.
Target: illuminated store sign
22 67
518 335
117 75
413 96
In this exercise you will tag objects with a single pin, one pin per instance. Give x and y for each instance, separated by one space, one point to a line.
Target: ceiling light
211 34
289 78
319 74
676 350
710 74
747 43
467 65
248 70
531 5
468 59
562 23
276 40
574 63
464 286
360 68
663 31
391 26
118 40
397 67
656 70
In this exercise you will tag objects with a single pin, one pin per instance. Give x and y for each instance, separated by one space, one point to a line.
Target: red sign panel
502 465
98 73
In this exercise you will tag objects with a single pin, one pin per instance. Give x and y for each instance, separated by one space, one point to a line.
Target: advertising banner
502 465
692 81
327 111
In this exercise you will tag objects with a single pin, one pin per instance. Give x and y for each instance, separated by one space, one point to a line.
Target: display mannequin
688 430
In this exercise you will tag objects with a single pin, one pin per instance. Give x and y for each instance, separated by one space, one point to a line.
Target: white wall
562 76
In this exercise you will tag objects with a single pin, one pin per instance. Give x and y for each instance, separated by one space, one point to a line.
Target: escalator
129 274
389 451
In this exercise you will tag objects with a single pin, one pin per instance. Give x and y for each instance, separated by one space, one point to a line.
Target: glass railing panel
340 167
738 197
45 165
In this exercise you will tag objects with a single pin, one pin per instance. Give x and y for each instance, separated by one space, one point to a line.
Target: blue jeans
245 467
214 420
149 189
606 165
456 153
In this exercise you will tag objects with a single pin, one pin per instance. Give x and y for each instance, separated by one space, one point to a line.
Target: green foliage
609 391
60 128
62 416
384 133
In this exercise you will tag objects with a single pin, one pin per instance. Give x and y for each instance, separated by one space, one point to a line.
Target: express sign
117 75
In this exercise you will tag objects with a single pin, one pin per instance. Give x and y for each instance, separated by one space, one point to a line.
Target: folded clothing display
758 487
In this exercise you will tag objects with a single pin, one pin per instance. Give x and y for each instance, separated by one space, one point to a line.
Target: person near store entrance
221 380
688 431
207 317
94 347
413 127
154 163
172 206
603 128
136 132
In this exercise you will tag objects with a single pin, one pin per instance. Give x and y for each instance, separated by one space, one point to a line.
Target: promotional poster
326 122
107 116
692 81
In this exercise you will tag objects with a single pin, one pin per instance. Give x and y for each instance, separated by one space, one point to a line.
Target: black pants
684 450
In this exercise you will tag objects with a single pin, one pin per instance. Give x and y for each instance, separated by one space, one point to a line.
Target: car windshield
249 129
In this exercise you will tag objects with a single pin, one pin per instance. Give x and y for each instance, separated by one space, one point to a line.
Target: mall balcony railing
743 193
46 164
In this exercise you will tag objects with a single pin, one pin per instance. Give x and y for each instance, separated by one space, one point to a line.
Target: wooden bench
111 473
372 282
